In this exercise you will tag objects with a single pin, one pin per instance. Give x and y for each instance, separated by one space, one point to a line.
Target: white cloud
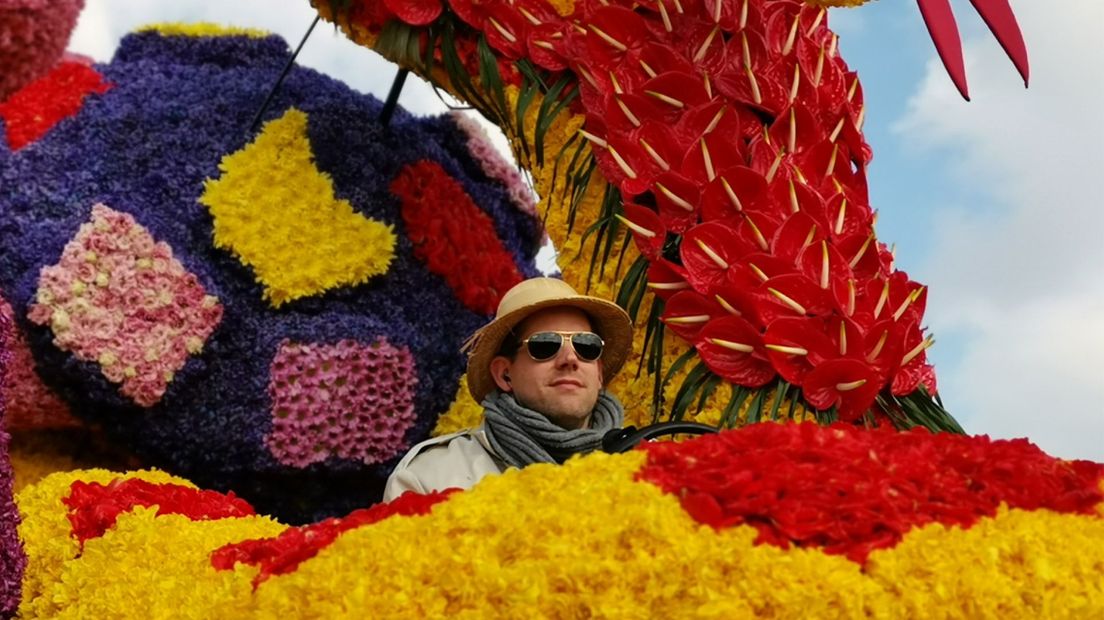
1021 277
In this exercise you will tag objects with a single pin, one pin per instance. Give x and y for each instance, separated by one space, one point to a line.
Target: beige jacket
456 460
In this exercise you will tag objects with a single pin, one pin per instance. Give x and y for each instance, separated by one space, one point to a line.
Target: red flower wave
849 491
284 553
94 507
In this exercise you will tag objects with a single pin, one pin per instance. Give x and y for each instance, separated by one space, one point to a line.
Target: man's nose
566 355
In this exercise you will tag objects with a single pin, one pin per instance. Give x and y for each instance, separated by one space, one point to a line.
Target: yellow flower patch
45 530
202 29
462 414
277 213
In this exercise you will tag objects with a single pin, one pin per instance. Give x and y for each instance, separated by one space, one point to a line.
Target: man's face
564 388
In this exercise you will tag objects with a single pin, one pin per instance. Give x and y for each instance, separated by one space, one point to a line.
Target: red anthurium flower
848 384
707 251
506 30
796 129
718 116
731 347
826 266
415 12
895 297
911 366
736 294
792 295
647 229
754 269
666 278
655 58
628 112
659 141
734 190
545 45
687 312
613 31
711 153
798 233
538 12
704 44
847 217
759 89
797 345
679 92
752 53
861 252
473 12
825 75
678 198
881 344
635 171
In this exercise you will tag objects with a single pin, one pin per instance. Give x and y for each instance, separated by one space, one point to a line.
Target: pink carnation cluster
494 165
348 399
30 404
119 298
33 36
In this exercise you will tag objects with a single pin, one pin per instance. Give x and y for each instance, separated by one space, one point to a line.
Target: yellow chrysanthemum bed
895 525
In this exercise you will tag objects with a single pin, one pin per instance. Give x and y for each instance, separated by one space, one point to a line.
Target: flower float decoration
12 559
711 154
770 520
279 313
33 36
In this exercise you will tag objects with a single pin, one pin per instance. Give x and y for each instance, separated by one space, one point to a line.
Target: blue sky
995 204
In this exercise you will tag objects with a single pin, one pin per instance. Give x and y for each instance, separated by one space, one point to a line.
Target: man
539 370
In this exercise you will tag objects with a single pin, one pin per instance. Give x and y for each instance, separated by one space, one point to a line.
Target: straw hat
529 296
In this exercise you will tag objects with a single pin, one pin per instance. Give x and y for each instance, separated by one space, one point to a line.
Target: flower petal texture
36 108
350 400
119 298
277 213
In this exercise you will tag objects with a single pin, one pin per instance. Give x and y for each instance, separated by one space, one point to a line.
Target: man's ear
500 372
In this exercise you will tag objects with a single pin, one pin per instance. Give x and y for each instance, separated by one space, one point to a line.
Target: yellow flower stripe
836 3
45 529
580 540
276 211
159 566
202 29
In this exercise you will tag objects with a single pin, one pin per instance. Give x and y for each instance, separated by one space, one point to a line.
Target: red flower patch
34 110
453 237
94 507
283 554
849 491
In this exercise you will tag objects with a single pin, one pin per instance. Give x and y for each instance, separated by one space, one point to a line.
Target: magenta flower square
349 399
118 298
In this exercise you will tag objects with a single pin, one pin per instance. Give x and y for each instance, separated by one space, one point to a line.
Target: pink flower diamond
118 297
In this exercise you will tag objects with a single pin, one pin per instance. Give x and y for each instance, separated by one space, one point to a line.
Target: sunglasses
543 346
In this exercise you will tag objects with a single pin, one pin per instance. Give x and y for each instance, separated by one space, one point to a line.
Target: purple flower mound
12 559
178 105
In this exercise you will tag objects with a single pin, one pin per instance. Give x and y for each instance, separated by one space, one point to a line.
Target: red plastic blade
1002 22
944 33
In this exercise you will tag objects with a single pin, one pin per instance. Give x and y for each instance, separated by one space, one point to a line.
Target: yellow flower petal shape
276 211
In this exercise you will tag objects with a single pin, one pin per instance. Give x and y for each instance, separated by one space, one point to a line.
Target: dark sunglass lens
544 346
587 346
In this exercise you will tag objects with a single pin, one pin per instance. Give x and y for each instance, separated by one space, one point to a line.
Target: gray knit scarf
522 436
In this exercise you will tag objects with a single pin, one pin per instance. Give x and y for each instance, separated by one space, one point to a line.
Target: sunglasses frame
564 337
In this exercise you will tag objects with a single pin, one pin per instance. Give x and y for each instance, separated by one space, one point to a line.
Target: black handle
625 439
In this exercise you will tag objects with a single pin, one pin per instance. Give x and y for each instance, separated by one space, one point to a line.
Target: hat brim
610 321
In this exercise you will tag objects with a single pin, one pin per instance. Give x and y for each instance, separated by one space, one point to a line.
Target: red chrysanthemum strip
32 111
453 237
283 554
849 491
94 507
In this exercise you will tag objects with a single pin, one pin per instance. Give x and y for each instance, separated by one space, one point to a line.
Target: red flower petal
721 345
687 312
647 229
666 278
846 383
415 12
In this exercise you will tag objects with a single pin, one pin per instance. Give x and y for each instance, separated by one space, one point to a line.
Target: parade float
251 284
